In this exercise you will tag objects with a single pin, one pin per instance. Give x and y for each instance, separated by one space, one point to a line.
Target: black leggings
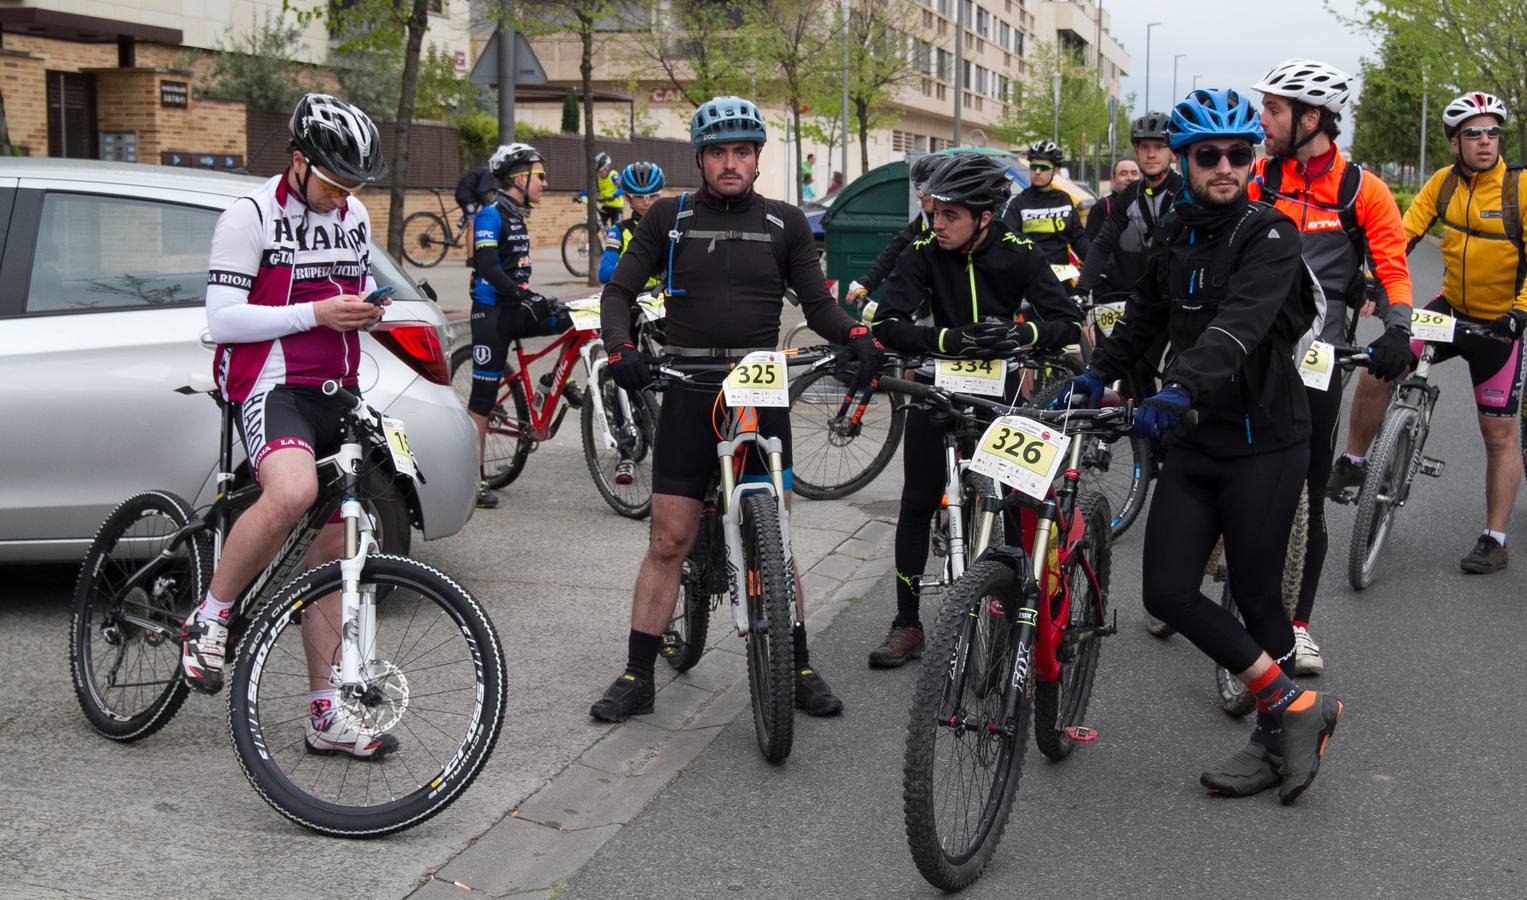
922 467
1251 501
1325 420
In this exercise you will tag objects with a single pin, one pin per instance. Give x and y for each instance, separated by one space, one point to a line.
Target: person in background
1125 173
808 178
836 184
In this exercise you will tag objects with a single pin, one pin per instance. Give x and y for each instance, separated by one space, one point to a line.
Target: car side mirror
429 291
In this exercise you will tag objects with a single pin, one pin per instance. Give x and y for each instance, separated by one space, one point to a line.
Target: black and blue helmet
723 119
641 179
1214 113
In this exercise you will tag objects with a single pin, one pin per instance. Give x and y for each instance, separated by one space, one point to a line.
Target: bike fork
357 606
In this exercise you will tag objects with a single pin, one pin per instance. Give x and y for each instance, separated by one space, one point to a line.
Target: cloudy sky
1231 43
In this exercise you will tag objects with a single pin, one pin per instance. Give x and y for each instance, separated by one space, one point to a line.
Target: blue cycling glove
1088 385
1161 412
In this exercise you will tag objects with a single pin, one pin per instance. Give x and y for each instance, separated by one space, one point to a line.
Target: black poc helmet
973 180
1045 150
922 168
1153 126
510 159
339 137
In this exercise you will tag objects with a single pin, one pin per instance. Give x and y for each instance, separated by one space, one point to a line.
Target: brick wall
128 100
23 81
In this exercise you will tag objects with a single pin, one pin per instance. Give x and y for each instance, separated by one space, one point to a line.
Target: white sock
1356 460
321 705
213 610
1500 536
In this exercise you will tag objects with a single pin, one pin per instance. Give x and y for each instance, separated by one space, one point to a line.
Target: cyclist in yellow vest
611 197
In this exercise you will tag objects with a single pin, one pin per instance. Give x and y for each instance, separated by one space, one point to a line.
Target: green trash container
863 218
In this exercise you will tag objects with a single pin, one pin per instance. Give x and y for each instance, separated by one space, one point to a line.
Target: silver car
103 268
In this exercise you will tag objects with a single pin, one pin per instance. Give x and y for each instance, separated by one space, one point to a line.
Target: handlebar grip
901 385
331 388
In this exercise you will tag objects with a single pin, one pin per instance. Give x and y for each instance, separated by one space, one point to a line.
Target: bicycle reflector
418 345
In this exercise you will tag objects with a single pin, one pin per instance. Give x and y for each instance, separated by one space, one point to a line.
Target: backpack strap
1511 214
1346 210
1444 197
674 234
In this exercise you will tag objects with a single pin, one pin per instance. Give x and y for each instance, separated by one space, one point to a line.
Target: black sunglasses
1208 156
1475 134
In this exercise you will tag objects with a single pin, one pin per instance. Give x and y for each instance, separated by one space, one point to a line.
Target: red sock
1274 691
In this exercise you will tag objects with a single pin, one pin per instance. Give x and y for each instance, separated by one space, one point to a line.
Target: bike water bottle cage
775 237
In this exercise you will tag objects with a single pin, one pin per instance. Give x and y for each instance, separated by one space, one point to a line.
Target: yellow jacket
1480 277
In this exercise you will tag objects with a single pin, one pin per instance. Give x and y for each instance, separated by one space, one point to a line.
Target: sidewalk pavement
451 280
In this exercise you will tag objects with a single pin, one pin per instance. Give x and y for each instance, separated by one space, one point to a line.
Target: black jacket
732 288
1116 257
1007 270
885 263
1234 357
1048 217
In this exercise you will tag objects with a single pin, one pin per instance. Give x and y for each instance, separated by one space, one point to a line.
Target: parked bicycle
580 244
1398 452
1019 623
428 236
617 427
418 658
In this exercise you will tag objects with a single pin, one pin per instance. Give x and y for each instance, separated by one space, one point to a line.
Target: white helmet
1475 103
509 158
1309 82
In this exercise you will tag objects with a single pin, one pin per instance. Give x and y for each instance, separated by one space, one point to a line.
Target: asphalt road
1418 797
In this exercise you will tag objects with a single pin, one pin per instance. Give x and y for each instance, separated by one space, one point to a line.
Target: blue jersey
501 227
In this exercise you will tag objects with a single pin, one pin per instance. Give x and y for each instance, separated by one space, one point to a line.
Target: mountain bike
743 543
417 658
842 439
579 244
427 236
1398 452
616 426
1020 626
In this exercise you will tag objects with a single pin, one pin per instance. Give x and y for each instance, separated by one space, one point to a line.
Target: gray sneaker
1250 770
1488 555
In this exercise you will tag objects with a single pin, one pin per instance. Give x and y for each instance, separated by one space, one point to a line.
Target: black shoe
486 499
628 696
1345 474
1488 555
814 696
902 642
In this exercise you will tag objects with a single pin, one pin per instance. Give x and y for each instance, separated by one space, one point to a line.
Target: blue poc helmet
723 119
1214 113
641 179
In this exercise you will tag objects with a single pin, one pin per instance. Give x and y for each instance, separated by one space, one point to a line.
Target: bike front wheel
770 598
1059 705
622 434
507 443
833 456
962 764
124 642
577 245
435 690
425 239
1389 470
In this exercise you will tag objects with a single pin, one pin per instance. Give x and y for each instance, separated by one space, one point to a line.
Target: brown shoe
1488 556
900 645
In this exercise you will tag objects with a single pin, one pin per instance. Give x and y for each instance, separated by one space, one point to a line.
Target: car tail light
418 345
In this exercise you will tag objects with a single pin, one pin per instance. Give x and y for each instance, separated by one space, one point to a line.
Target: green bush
478 133
571 115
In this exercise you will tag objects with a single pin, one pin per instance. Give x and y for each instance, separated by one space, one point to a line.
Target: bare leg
320 624
1369 401
1503 469
1257 670
289 484
675 521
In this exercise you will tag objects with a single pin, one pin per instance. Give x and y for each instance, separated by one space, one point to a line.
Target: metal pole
1421 168
1195 81
1148 27
1055 79
505 84
1173 98
845 94
959 66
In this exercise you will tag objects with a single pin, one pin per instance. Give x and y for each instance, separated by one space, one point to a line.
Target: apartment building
999 38
107 79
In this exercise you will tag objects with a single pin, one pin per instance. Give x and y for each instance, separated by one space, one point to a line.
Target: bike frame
572 346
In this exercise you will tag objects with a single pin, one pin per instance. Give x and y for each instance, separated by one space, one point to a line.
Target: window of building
71 115
1004 36
983 22
968 12
945 65
902 141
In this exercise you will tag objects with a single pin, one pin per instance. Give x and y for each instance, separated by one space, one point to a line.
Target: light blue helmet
723 119
1214 113
641 179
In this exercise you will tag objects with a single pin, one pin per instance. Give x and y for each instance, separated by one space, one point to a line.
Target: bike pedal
1432 466
1081 734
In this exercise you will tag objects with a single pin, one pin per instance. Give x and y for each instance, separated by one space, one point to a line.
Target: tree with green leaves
1483 43
570 112
793 39
701 48
259 67
879 66
1387 117
1083 104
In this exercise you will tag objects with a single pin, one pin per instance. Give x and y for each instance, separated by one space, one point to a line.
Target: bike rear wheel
507 443
1058 705
577 245
771 615
124 645
1389 470
425 239
437 687
831 456
958 782
633 433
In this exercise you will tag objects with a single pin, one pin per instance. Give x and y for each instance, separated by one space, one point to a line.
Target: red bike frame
542 423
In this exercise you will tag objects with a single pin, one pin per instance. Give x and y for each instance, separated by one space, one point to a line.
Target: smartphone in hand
375 297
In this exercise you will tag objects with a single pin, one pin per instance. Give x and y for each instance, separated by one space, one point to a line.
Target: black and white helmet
1045 150
602 161
339 137
1153 126
1474 103
1309 82
509 159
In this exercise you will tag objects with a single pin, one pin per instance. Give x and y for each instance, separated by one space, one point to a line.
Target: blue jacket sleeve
612 245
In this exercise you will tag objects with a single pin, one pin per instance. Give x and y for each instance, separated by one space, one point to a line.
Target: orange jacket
1311 200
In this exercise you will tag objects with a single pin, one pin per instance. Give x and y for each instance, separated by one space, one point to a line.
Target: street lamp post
1173 97
1148 27
1195 81
959 67
844 155
1055 88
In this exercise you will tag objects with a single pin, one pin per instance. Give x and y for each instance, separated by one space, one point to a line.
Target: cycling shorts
288 416
684 458
1495 367
493 329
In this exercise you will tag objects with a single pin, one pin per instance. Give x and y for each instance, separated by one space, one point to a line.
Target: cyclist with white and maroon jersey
289 271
